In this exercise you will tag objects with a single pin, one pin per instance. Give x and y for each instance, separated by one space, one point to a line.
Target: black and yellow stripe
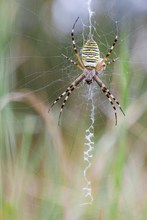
90 54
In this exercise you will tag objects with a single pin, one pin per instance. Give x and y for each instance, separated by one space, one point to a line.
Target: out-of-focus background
42 163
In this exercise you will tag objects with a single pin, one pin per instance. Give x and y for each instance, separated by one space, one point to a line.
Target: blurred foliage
41 162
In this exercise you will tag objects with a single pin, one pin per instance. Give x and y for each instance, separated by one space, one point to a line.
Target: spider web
37 78
61 72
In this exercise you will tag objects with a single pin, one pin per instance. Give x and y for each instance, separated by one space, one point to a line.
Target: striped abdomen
90 54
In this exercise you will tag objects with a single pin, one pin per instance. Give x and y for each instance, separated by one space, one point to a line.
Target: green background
41 163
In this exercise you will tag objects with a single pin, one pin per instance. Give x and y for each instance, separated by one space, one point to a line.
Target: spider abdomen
90 54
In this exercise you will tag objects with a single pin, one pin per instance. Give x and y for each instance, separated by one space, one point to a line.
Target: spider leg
73 62
111 61
109 96
68 91
111 49
64 102
59 97
74 44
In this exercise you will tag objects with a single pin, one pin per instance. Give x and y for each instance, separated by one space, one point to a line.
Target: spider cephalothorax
92 66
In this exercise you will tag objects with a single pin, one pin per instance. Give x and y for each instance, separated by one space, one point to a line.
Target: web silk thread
88 152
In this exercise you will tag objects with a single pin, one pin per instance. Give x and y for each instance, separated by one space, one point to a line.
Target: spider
92 66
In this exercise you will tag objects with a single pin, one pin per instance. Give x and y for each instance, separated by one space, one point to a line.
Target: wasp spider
92 66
